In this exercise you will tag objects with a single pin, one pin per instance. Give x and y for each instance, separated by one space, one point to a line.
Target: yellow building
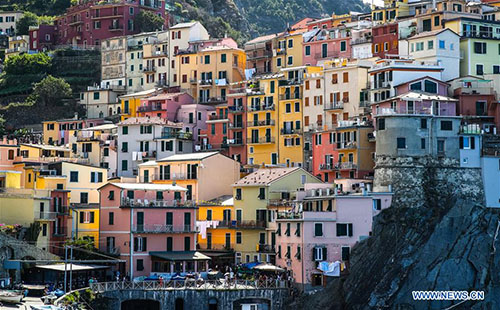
50 132
218 242
217 67
262 129
17 46
40 152
392 10
131 102
288 52
258 197
187 63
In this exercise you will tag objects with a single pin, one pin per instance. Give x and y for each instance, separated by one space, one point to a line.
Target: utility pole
65 266
71 269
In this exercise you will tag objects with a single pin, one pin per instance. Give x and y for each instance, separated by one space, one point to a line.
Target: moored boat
11 296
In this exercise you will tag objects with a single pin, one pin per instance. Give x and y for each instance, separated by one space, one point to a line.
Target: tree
50 92
147 21
24 64
23 24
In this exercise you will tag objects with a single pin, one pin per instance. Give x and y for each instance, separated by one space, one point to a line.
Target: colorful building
8 21
17 45
131 102
258 197
385 40
326 44
151 227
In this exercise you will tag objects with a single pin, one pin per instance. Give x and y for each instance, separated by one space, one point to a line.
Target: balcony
381 84
193 81
149 69
307 215
59 232
258 54
347 145
214 147
266 140
280 203
215 246
266 248
62 210
264 107
326 167
290 131
116 28
173 177
212 100
208 82
150 108
346 166
328 54
235 142
268 122
236 109
45 216
333 106
217 117
238 125
162 228
291 96
177 135
289 82
139 203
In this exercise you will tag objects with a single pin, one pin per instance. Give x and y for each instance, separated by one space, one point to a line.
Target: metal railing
290 96
45 215
260 140
127 202
346 165
162 228
334 106
291 131
326 167
267 122
192 284
264 107
216 246
266 248
61 210
150 108
236 109
238 125
149 69
177 135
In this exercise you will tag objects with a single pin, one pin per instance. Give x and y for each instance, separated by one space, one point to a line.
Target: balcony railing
265 140
216 246
212 100
150 108
346 166
101 287
266 248
259 54
235 142
290 96
267 122
145 203
149 69
217 117
333 106
61 210
326 167
162 228
173 177
177 135
347 145
238 125
291 131
236 109
115 28
45 215
264 107
328 54
207 82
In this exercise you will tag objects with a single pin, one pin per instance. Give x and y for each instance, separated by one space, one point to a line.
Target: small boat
12 297
49 307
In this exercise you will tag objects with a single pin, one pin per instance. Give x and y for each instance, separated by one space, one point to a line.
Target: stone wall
198 299
415 180
11 248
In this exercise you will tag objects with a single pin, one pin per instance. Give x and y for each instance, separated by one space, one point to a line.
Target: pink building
163 105
424 95
323 228
90 22
151 227
323 44
9 153
324 156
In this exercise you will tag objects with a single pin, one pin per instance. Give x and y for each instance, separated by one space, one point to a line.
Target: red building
325 157
91 21
385 40
215 136
60 231
42 37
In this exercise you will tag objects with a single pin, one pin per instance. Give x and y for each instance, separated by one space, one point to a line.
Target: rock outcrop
449 242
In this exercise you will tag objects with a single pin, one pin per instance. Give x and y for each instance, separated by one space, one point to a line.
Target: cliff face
449 242
245 19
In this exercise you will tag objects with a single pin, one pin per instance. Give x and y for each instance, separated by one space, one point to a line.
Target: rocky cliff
449 242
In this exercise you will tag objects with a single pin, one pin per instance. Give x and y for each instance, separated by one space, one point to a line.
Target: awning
179 255
73 267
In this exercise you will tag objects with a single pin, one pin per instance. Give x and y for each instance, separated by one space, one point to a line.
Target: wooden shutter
350 230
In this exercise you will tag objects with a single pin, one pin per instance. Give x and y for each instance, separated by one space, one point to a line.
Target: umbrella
268 267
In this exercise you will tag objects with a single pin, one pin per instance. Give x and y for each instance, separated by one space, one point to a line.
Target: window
73 176
111 218
140 265
381 124
479 69
319 254
290 43
377 204
111 195
419 46
308 50
278 62
44 230
430 45
436 20
318 229
344 229
207 59
95 177
288 108
223 58
422 143
430 87
416 86
423 123
262 193
480 47
446 125
401 143
238 194
496 69
343 46
84 198
290 60
345 77
467 143
124 165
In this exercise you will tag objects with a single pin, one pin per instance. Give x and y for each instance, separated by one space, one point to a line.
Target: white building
141 139
100 102
8 21
441 47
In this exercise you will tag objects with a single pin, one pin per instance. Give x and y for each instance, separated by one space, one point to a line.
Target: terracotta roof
165 96
431 33
264 38
148 121
264 176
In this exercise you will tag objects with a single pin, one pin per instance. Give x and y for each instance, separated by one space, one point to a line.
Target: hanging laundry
134 156
330 269
202 227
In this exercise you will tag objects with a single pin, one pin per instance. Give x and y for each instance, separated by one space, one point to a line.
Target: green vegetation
50 91
39 7
86 299
147 21
30 19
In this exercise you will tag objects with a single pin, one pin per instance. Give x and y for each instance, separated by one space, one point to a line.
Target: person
160 279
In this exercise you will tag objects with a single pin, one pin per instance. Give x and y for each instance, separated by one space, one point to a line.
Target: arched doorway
179 304
143 304
110 112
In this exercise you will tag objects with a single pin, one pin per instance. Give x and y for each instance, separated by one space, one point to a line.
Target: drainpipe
131 243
